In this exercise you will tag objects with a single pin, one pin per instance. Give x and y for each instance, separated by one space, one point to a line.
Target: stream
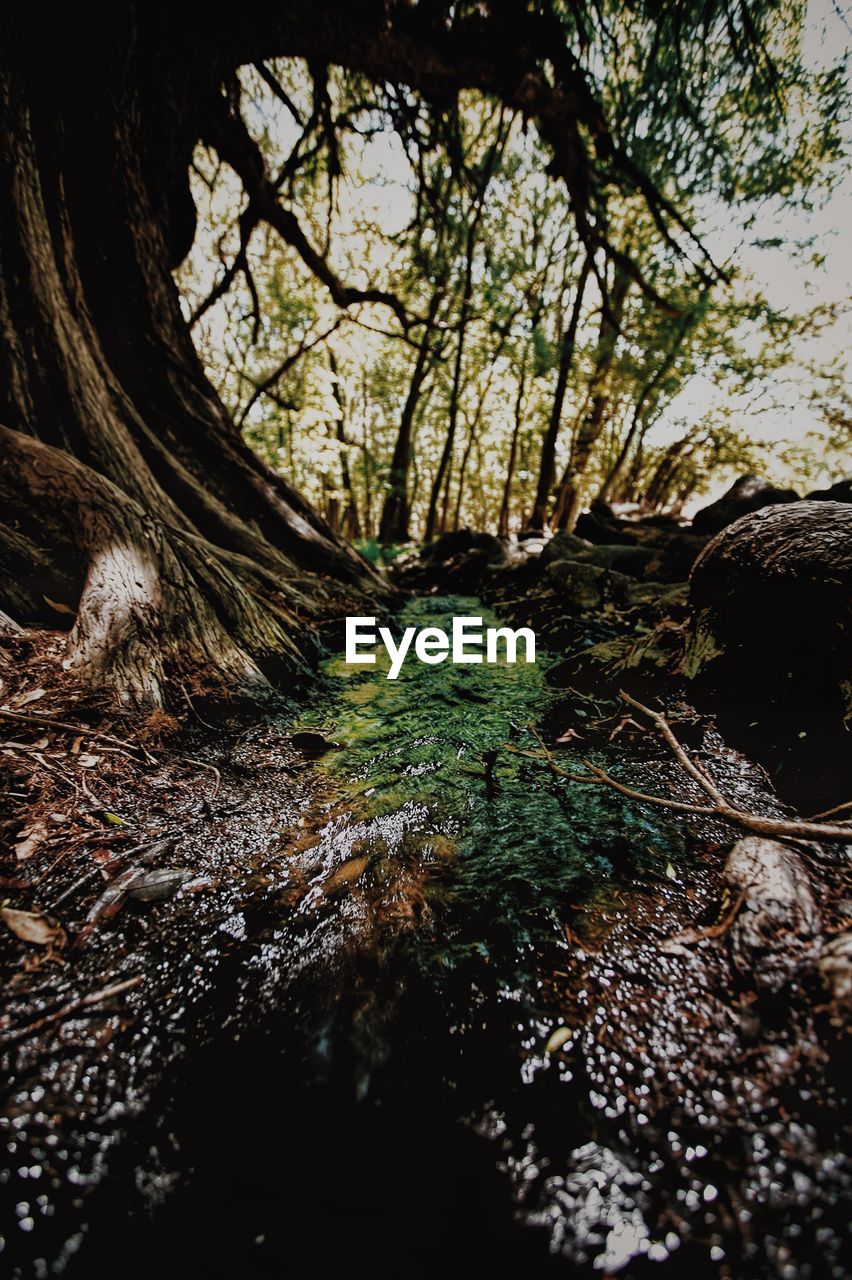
391 1061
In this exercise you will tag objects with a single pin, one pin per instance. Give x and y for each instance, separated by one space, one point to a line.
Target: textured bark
192 547
547 464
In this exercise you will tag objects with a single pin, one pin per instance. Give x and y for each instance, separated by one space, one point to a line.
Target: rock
586 587
459 561
603 527
779 919
312 743
672 559
772 602
462 542
749 493
839 492
564 546
632 561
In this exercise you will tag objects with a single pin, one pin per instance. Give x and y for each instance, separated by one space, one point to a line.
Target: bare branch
228 134
719 807
267 383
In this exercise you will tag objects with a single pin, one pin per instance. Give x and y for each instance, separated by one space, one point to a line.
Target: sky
790 282
782 415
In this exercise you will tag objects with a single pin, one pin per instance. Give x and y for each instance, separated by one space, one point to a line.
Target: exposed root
719 807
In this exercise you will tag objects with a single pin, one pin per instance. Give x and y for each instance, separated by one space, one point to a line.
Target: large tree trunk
187 552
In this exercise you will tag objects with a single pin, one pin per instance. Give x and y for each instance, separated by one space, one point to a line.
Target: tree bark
503 519
396 512
547 464
638 423
570 496
192 547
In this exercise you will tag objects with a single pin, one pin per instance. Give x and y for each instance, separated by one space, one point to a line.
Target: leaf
558 1037
30 839
670 871
57 607
23 699
32 926
113 819
88 762
156 886
346 873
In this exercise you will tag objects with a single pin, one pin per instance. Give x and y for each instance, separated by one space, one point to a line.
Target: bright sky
790 282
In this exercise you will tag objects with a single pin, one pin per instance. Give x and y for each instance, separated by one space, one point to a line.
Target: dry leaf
29 840
32 926
58 606
23 699
88 762
346 873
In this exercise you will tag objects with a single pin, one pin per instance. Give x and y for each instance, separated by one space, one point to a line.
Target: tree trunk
638 424
195 557
350 522
503 519
570 497
396 511
547 465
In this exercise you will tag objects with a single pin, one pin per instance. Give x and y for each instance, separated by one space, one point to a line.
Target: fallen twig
689 936
84 1002
67 727
203 764
720 807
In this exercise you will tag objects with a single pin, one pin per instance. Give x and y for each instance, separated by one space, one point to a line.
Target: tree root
719 807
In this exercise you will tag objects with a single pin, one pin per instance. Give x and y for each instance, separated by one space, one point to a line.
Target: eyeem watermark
432 644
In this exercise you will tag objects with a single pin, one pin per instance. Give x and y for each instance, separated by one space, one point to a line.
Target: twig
717 930
829 813
720 807
84 1002
203 764
67 727
191 706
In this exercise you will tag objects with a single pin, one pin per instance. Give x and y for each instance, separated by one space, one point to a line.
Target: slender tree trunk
503 518
455 393
637 426
547 465
350 523
657 493
569 498
394 525
442 477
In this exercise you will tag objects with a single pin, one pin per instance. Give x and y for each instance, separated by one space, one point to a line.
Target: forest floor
349 979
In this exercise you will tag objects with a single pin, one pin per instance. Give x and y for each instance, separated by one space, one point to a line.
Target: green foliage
716 118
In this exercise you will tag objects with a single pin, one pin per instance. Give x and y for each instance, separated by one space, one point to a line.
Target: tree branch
719 807
226 131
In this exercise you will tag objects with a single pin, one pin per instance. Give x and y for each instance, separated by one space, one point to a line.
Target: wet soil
413 1002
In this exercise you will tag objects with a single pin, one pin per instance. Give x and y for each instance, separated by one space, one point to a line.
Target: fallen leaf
58 607
32 926
87 761
557 1038
156 886
29 841
113 819
346 873
23 699
670 871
